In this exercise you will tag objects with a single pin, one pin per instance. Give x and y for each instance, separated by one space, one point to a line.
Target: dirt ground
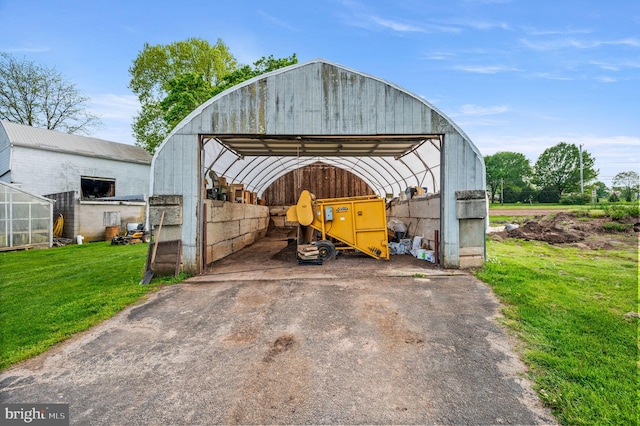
573 230
261 340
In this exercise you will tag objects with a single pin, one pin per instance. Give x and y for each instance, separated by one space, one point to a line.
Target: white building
48 162
76 171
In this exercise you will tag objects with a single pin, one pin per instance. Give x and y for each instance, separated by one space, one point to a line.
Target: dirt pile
567 228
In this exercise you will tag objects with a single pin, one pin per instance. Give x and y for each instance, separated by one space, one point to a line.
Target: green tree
261 66
507 169
558 169
185 93
189 90
628 183
156 66
39 96
601 190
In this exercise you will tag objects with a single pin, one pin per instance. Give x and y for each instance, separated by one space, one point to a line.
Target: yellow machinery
358 223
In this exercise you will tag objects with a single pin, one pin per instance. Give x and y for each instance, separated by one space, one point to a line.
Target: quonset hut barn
318 111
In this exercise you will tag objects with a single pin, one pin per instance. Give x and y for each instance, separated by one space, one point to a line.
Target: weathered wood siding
322 180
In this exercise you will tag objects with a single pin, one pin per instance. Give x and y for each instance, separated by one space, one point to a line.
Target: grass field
570 307
525 206
48 295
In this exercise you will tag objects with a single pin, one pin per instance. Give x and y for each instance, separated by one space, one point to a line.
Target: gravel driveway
262 341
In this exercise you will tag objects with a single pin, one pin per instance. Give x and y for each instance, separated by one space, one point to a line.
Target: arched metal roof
265 127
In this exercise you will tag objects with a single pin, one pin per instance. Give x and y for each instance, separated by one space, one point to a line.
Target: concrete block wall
233 226
279 217
89 217
421 215
86 218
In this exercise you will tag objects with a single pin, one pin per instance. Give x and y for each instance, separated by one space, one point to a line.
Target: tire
327 250
146 239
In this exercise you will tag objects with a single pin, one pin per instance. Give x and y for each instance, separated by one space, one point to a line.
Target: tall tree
157 65
38 96
261 66
510 169
189 90
628 183
185 93
558 168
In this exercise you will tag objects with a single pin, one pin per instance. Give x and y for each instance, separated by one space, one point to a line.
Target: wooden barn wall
323 180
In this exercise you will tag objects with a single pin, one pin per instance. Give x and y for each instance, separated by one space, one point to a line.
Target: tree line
562 173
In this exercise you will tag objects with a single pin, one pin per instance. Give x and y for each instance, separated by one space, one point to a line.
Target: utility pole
581 179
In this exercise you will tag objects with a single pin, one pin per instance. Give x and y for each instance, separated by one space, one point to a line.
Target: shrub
615 227
597 213
548 195
575 199
621 211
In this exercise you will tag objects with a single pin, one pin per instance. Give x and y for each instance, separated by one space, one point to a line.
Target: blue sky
516 75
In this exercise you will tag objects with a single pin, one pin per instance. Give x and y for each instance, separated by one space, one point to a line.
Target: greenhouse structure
25 219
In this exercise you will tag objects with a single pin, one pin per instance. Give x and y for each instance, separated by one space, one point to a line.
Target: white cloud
540 32
438 56
606 79
565 43
616 66
550 76
485 69
356 14
112 106
116 113
479 24
395 25
470 109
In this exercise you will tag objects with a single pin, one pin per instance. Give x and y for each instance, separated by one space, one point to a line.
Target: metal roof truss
388 163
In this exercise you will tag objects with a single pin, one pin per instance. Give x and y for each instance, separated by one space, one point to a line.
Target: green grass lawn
568 306
525 206
48 295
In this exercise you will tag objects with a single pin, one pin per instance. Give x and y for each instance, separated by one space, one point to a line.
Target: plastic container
79 239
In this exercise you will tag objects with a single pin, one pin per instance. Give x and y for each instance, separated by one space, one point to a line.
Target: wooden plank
329 182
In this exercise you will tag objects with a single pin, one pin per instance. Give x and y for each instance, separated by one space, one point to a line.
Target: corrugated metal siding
336 101
175 172
50 140
463 169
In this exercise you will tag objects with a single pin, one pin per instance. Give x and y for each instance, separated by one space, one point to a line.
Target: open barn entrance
328 167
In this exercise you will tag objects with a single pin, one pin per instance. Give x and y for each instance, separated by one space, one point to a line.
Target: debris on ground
572 229
61 242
